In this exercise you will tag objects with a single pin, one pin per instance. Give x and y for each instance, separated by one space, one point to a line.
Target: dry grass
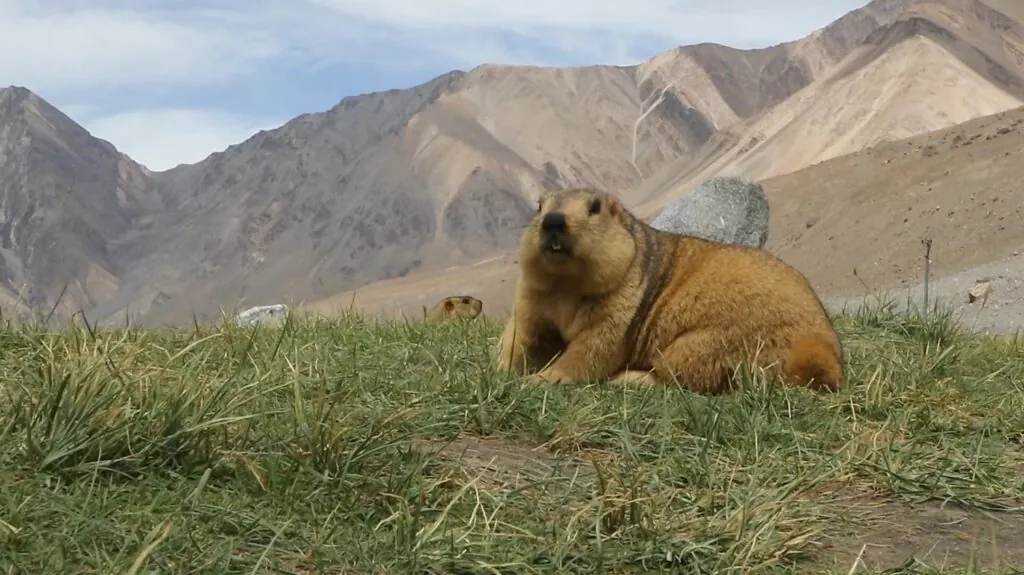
347 446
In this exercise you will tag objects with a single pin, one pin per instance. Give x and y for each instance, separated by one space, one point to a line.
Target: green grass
334 447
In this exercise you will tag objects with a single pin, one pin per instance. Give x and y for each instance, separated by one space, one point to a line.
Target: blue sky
171 81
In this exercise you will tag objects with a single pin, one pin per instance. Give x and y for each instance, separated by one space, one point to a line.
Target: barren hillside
870 210
940 63
867 211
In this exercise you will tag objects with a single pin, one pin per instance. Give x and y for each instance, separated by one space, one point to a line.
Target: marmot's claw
544 377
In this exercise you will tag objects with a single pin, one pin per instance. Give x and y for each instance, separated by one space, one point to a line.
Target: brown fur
456 306
633 304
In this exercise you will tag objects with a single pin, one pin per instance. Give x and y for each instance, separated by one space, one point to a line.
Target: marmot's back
749 298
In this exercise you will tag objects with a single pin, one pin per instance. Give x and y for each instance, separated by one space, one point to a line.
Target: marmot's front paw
547 376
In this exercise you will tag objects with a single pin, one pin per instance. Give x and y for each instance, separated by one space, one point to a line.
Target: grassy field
345 446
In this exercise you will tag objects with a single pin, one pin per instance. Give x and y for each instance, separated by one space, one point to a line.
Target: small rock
979 290
729 209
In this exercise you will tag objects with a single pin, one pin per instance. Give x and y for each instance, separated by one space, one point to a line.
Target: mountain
64 196
423 182
938 64
852 224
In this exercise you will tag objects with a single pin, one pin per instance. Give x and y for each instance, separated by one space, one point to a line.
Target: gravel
1002 313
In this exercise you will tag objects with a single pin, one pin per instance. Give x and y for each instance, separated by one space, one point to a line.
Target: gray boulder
729 209
262 315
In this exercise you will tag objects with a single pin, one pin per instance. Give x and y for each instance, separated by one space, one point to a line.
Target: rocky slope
938 64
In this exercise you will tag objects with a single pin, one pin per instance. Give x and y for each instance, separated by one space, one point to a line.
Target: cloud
162 138
666 18
47 46
591 31
78 44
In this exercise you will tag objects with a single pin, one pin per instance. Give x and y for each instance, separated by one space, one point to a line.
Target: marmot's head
462 306
582 234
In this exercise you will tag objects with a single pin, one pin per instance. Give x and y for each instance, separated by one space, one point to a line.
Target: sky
172 81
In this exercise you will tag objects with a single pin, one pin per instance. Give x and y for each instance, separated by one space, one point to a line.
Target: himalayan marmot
456 306
608 297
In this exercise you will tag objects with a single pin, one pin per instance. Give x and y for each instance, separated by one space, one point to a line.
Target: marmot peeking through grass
456 306
621 300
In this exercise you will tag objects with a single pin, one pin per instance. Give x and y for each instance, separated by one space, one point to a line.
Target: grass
348 446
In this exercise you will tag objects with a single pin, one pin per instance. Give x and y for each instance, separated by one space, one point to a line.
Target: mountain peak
16 98
17 102
16 91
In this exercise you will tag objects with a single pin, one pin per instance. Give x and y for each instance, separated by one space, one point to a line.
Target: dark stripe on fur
655 278
664 279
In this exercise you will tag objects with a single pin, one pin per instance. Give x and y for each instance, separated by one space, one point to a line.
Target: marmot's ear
543 197
615 209
448 305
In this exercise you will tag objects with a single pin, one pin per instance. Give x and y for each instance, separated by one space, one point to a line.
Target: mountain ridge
444 173
875 70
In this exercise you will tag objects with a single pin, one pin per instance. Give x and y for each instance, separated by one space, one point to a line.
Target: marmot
456 306
623 301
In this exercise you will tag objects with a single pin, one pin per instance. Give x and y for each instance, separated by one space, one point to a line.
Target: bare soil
887 534
878 533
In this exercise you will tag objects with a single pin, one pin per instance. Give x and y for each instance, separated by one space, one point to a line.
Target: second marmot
453 307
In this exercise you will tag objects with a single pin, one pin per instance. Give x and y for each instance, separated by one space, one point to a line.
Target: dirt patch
873 532
501 458
883 534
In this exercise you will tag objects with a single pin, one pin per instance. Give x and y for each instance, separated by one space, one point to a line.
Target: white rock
263 315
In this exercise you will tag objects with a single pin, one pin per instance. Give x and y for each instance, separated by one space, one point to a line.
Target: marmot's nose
553 222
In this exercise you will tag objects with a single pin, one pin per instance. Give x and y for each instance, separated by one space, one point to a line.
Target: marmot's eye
595 206
540 206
